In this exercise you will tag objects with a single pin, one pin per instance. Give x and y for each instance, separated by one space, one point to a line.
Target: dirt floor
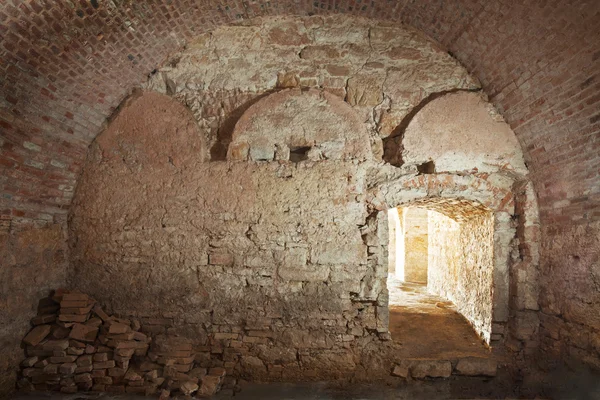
450 389
306 391
429 326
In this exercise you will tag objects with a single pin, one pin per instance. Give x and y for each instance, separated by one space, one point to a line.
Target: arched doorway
440 275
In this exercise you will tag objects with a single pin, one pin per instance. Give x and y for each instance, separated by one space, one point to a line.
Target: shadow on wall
218 151
393 144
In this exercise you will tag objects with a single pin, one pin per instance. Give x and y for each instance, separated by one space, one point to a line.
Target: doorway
440 266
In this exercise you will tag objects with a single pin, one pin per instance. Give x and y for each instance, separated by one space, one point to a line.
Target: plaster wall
415 245
396 243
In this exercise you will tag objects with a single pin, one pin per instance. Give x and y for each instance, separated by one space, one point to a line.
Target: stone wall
395 243
475 284
253 223
415 245
444 255
382 71
259 251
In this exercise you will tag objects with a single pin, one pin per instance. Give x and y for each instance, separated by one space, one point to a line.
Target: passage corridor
428 326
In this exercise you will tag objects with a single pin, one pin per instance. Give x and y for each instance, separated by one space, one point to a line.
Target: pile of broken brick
75 346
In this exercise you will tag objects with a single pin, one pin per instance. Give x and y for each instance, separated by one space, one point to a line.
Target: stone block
98 373
37 334
83 333
99 357
188 388
104 365
84 369
475 366
420 369
365 90
94 321
164 394
209 386
77 344
265 152
83 378
400 370
65 359
69 381
140 337
103 380
314 273
132 375
100 313
68 368
51 369
72 318
29 362
116 328
74 351
85 360
220 258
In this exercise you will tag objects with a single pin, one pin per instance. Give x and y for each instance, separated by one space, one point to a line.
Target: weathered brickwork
67 65
33 261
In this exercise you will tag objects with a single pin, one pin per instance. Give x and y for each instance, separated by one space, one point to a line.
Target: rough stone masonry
240 201
76 346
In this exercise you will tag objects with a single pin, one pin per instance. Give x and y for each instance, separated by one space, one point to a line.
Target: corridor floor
428 326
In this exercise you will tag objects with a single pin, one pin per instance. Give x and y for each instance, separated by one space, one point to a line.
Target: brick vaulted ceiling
66 65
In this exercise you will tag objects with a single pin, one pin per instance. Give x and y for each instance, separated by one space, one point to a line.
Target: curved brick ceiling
65 66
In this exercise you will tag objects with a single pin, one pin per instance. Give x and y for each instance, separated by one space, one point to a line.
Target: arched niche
296 125
456 132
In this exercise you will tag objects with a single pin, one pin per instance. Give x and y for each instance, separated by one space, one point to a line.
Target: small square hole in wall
426 168
299 153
